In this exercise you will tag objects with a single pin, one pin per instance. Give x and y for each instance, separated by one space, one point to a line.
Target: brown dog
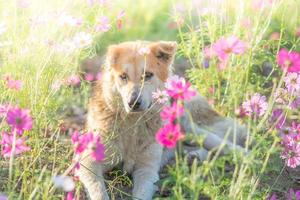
121 109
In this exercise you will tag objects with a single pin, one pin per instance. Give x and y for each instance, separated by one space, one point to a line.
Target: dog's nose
134 102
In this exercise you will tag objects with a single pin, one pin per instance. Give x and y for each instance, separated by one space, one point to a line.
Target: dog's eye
148 76
124 77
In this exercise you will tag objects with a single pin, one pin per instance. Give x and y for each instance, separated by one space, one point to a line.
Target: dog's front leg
91 175
145 173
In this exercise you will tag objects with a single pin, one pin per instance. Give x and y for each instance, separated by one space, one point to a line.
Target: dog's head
136 75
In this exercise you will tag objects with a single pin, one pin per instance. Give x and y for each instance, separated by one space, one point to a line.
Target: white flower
82 40
144 51
64 182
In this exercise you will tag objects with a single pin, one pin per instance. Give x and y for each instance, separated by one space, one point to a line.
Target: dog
122 111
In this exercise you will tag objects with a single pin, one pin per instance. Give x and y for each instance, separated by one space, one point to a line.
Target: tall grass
33 36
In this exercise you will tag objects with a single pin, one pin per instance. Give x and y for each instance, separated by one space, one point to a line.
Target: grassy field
46 46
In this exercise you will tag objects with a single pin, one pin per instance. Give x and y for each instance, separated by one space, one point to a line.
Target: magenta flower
19 119
292 82
89 77
103 24
256 106
160 96
70 196
170 113
98 150
291 154
7 142
179 89
169 135
88 142
289 61
224 47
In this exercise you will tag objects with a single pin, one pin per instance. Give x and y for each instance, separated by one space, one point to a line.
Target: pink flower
68 20
88 142
169 135
144 51
226 46
179 89
81 142
292 82
261 4
170 113
256 106
19 119
7 142
98 150
160 96
70 196
293 195
14 84
291 154
73 80
103 24
273 197
289 61
89 77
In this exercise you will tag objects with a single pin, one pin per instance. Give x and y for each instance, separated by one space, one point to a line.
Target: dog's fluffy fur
129 135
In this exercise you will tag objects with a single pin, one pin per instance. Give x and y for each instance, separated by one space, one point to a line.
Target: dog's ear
164 50
113 53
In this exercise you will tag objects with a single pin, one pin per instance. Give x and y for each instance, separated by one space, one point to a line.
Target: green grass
29 59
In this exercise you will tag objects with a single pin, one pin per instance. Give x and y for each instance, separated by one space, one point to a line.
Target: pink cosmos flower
256 106
144 51
14 84
291 154
295 104
179 89
4 109
103 24
160 96
226 46
89 77
292 82
7 142
97 150
19 119
289 61
261 4
169 135
273 197
170 113
275 36
70 196
89 142
73 80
